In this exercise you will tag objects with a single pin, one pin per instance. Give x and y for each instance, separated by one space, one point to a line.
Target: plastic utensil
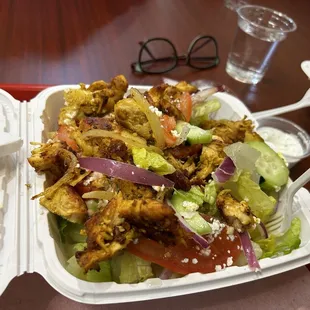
9 144
281 220
303 103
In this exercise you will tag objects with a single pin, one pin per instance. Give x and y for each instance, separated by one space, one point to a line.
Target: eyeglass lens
203 53
157 56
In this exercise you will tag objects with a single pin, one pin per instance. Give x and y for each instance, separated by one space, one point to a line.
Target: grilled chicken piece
237 214
211 157
115 226
252 136
166 98
129 115
67 203
229 131
98 99
185 151
44 159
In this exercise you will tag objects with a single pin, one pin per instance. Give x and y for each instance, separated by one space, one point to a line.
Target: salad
146 185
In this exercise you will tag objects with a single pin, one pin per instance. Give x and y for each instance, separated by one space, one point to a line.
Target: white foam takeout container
26 228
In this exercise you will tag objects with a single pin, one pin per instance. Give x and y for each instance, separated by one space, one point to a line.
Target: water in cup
259 32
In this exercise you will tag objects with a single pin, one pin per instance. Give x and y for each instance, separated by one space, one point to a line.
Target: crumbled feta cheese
246 199
231 237
138 166
205 252
185 260
228 251
77 165
94 176
132 173
49 141
218 268
229 261
135 241
194 261
256 220
190 206
175 133
238 247
230 230
216 227
158 188
156 111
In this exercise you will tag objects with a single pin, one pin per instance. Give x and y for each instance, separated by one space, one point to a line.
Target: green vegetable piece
70 232
246 189
103 275
282 245
201 111
152 161
270 165
128 268
195 135
92 206
210 194
199 224
185 203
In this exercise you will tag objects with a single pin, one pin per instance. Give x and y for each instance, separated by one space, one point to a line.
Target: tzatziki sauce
280 141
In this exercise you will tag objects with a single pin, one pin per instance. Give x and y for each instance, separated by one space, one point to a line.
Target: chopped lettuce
246 189
103 275
92 206
209 207
152 161
128 268
201 111
282 245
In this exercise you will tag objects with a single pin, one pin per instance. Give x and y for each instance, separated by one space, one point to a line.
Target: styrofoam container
26 228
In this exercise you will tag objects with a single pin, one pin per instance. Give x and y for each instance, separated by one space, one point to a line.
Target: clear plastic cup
259 32
296 138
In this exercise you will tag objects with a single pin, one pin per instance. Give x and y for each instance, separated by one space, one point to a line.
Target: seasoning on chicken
129 115
96 100
67 203
167 98
229 131
237 214
211 157
115 226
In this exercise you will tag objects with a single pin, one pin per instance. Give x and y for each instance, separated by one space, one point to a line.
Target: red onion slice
165 274
225 171
124 171
249 251
196 237
263 231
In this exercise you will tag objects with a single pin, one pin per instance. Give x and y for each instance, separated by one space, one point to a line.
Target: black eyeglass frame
138 66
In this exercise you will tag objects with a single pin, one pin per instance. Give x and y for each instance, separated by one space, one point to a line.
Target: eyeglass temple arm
147 50
201 46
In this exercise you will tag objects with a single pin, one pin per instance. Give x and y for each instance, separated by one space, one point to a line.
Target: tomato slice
168 123
185 105
223 251
63 134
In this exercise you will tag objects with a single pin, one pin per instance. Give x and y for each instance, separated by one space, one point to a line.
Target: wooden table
57 42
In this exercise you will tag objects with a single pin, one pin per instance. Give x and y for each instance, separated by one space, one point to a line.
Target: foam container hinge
27 245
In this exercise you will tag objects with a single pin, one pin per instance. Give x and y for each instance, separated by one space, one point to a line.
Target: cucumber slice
270 165
196 135
199 224
196 221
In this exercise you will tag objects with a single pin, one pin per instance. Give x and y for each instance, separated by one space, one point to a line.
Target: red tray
23 92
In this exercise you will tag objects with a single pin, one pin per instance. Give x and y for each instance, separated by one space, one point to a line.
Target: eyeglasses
159 55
